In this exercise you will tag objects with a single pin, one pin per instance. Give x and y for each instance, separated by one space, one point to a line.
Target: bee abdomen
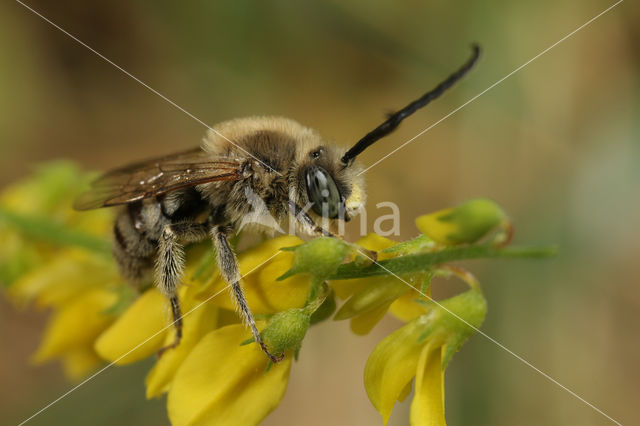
131 267
134 245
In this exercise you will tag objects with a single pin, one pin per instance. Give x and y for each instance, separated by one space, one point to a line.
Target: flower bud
466 223
286 330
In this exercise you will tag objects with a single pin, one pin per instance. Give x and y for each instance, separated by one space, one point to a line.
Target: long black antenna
396 118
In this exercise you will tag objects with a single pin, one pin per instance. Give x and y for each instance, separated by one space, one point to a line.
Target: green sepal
452 321
326 309
319 257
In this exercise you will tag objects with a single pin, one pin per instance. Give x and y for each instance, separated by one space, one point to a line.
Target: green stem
317 299
314 289
420 262
46 230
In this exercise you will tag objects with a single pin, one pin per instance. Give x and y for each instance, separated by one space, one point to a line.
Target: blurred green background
557 145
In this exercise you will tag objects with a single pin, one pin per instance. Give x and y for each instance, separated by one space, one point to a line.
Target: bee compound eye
322 192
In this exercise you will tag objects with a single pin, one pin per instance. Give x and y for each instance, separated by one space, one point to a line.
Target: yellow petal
376 242
432 226
379 291
253 257
64 277
364 323
346 288
197 323
405 392
139 332
465 223
392 365
76 324
406 309
223 383
269 295
427 407
80 362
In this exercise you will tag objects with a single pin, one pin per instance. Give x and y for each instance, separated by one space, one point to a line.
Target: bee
209 191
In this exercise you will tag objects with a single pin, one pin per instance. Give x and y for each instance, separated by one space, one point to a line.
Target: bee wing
155 177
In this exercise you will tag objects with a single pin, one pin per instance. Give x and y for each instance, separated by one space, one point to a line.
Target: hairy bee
258 170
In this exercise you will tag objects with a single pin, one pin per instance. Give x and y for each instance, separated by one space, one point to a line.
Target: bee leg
177 323
314 229
170 265
307 222
228 265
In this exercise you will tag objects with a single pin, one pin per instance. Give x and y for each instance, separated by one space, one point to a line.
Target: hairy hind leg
170 266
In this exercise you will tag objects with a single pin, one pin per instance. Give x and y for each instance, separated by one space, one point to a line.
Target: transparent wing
156 176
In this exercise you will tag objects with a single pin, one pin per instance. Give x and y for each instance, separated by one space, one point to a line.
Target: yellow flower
223 383
139 332
370 303
422 348
62 278
201 319
72 330
392 365
76 284
79 288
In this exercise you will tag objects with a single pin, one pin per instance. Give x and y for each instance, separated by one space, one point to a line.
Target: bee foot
166 348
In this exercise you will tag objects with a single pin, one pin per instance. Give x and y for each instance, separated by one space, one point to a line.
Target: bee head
334 191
